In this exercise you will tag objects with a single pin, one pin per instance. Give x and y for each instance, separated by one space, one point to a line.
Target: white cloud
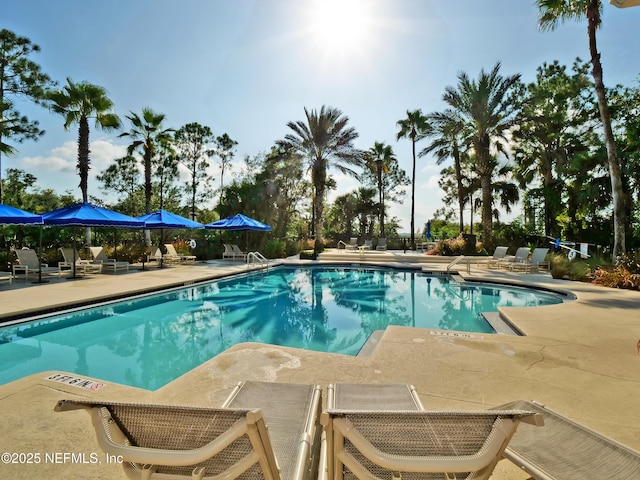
103 153
64 158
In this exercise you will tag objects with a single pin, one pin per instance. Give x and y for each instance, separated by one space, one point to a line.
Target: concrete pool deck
579 358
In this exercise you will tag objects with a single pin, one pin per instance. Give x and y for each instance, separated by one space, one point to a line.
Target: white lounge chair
82 266
173 255
352 245
499 254
155 255
165 441
238 252
521 257
382 244
404 441
536 261
367 245
229 252
6 276
99 256
29 264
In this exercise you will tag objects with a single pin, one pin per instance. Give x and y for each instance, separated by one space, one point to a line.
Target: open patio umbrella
238 222
89 215
165 219
15 216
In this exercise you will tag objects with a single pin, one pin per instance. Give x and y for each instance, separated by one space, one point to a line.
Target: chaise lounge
395 438
99 256
29 264
567 450
173 256
264 430
82 266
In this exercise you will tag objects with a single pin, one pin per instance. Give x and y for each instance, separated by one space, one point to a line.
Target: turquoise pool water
148 341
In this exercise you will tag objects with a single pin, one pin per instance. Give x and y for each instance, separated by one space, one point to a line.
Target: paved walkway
579 358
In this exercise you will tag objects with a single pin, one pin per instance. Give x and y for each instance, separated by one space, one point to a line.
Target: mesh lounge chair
521 257
82 266
566 450
292 414
228 252
367 245
192 442
155 255
382 244
536 262
499 254
392 443
173 255
29 264
164 441
352 245
238 253
99 256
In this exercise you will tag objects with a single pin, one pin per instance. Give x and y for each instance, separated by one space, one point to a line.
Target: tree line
563 145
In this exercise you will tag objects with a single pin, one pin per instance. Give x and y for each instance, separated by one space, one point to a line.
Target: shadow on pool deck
580 358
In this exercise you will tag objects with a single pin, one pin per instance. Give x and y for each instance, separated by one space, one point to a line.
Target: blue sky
247 67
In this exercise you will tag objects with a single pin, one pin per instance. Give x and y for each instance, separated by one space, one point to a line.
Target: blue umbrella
15 216
89 215
164 219
238 222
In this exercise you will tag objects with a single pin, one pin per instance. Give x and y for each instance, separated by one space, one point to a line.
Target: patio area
579 358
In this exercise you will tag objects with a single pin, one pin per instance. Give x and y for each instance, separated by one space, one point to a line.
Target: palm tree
414 127
447 143
379 158
552 12
147 133
487 113
78 102
323 141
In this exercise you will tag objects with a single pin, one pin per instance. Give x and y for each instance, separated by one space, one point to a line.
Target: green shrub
275 248
559 265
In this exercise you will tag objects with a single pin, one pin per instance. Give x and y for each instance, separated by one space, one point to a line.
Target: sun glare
339 28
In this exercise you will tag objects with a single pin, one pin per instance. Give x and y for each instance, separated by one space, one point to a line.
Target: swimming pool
150 340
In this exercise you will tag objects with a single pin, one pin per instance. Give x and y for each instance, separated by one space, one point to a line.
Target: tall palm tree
378 160
551 13
77 103
447 142
324 141
147 134
487 112
414 127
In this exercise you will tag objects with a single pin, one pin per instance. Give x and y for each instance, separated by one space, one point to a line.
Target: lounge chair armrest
113 441
425 463
104 427
535 419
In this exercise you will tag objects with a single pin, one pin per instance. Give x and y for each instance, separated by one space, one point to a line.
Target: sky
248 67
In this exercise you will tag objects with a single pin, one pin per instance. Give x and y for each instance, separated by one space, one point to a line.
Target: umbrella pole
73 267
204 247
40 280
